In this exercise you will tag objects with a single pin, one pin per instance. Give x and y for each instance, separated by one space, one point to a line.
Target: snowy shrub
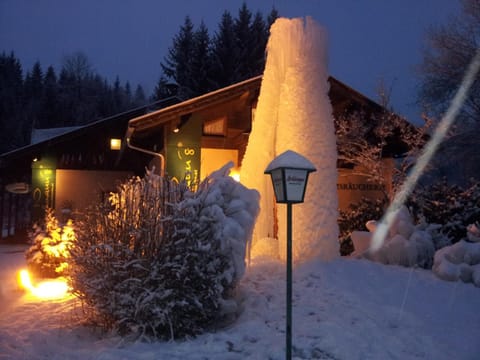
48 254
439 239
405 244
161 262
450 206
355 219
460 261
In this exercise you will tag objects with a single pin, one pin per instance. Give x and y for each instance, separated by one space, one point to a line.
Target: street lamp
289 172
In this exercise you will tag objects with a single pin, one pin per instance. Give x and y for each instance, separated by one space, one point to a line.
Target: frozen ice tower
294 113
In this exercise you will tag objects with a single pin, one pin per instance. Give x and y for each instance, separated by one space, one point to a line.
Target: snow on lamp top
289 172
290 159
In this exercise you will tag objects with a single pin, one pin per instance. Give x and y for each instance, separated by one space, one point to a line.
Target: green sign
43 188
183 153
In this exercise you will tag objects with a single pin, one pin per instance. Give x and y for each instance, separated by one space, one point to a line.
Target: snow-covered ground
344 309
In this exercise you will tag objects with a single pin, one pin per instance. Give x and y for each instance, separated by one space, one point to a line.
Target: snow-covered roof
39 135
160 117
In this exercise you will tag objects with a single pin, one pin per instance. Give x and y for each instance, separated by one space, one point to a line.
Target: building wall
213 159
77 189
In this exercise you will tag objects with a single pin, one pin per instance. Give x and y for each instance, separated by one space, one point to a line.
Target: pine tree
50 101
164 89
11 95
199 81
177 63
198 63
139 98
271 18
34 95
225 52
257 45
67 99
244 43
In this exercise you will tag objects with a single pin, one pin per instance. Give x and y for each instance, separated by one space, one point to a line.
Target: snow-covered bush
405 244
48 254
460 261
163 262
439 239
450 206
355 219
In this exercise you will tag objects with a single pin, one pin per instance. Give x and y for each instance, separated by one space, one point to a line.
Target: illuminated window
115 144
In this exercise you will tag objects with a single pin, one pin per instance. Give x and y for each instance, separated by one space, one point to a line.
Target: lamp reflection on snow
45 290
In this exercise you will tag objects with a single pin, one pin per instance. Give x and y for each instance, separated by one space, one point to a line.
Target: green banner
43 191
183 153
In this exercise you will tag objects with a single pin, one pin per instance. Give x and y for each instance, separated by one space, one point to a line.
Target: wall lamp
183 120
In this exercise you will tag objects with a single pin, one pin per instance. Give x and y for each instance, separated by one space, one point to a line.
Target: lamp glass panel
277 180
295 182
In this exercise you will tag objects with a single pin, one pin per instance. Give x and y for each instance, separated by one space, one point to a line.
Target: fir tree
271 18
244 43
258 44
164 89
67 99
225 52
50 101
34 94
177 63
139 98
11 95
200 82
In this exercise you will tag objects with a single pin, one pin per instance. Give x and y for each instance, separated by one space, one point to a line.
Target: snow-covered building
186 140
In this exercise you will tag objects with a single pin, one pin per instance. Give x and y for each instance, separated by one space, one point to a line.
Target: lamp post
289 172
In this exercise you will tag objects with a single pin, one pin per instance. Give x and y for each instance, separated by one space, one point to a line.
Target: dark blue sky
369 40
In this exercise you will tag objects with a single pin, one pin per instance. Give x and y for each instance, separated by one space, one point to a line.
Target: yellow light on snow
45 290
235 174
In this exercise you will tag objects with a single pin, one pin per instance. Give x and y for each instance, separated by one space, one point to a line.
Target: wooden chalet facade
186 140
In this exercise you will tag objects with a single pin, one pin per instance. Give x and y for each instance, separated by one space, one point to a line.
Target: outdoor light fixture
115 144
180 123
289 172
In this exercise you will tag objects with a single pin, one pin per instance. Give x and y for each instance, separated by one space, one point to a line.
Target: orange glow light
235 174
45 290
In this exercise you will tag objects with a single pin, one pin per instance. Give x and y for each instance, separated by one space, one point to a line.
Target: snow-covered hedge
405 243
355 219
460 261
162 262
450 207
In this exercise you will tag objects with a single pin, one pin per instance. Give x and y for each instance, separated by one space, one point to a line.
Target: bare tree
447 54
363 140
78 66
